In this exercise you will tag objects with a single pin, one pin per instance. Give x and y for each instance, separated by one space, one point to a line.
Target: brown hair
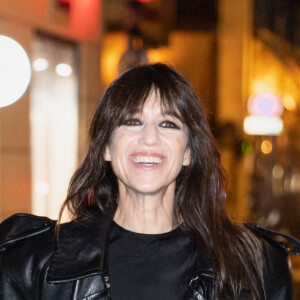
199 197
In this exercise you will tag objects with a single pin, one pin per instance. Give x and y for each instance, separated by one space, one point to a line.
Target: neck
145 213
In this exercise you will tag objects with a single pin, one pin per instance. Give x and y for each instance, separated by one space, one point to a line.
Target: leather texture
34 266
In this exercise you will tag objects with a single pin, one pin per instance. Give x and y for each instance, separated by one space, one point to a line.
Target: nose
150 136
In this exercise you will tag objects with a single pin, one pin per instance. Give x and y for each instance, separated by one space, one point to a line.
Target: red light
85 17
64 3
145 1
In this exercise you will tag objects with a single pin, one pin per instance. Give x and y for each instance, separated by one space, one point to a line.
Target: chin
148 190
151 189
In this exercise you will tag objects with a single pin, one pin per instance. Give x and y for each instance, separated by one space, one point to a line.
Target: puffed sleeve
276 246
24 244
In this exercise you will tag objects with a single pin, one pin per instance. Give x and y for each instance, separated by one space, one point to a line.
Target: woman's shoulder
26 244
278 240
24 227
30 244
277 269
26 238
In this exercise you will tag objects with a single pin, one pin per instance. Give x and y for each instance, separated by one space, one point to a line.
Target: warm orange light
289 102
182 50
270 74
158 55
115 44
263 84
266 147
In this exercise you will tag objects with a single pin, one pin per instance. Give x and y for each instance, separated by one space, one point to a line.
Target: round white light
63 70
40 64
42 187
15 71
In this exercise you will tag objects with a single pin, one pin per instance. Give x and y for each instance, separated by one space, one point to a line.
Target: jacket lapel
81 250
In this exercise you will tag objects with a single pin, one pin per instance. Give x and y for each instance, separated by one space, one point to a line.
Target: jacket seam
73 277
101 293
22 237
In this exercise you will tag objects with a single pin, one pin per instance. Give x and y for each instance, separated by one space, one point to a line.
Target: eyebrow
172 113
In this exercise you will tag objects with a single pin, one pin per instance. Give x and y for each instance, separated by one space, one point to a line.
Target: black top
149 266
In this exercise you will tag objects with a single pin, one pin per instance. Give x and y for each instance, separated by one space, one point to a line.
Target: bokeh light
63 70
277 172
265 104
15 71
42 187
266 147
289 103
40 64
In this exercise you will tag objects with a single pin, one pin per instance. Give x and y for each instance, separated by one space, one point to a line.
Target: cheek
182 153
180 144
117 150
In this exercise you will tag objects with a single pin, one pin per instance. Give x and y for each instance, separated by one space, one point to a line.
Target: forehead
154 103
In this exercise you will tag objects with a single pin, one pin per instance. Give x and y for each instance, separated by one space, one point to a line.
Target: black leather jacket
33 266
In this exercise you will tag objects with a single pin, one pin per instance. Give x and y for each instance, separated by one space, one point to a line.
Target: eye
169 124
132 122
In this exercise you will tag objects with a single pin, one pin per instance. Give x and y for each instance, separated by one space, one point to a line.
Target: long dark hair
199 197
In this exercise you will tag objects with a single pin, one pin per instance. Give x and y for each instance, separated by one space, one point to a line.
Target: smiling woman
148 204
147 153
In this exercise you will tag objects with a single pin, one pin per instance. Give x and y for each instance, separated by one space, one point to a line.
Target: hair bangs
168 104
133 98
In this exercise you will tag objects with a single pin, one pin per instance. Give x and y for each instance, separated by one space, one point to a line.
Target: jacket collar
82 247
81 250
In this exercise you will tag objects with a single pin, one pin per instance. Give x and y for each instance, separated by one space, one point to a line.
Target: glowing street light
15 71
265 110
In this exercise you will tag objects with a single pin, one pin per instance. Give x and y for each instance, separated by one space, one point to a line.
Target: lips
147 159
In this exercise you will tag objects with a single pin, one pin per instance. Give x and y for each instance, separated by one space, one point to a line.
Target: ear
186 157
106 155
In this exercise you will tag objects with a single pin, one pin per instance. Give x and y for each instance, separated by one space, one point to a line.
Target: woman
149 217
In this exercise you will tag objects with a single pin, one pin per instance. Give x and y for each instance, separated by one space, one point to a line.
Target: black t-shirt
149 266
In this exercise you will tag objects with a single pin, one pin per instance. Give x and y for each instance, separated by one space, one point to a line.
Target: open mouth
147 160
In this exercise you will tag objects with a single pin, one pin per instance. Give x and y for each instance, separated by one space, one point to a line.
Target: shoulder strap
286 242
22 226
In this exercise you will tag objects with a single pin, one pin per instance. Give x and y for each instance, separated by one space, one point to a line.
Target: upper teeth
149 160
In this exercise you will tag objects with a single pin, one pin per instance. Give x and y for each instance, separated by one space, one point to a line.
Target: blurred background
242 58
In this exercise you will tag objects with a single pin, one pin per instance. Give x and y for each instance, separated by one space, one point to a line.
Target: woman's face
148 150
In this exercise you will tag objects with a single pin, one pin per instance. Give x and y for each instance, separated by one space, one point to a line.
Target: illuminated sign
265 104
260 125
